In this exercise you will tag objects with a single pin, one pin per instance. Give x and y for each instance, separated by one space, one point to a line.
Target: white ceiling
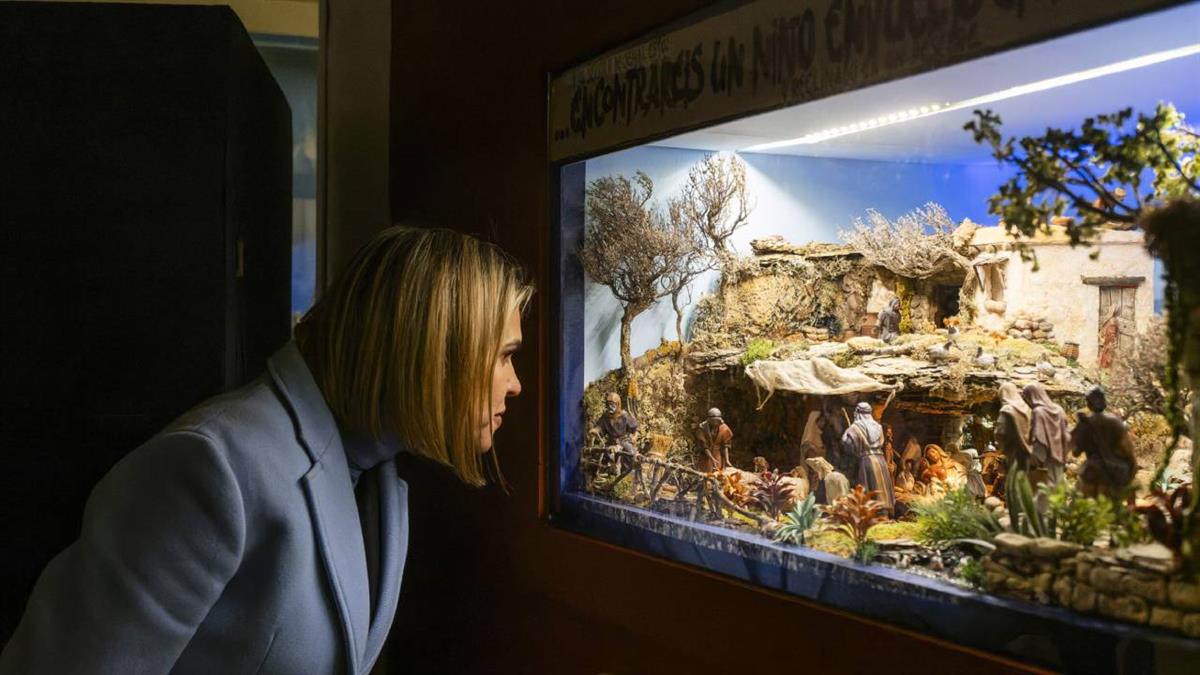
941 138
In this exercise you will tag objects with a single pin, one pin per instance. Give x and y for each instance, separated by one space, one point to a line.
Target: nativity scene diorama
995 405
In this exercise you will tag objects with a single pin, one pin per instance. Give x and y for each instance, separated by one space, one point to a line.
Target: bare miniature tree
690 257
714 201
917 245
626 247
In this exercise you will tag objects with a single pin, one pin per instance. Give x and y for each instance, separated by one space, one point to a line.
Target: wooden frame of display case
603 104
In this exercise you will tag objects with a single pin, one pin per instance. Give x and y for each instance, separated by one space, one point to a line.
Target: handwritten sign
776 53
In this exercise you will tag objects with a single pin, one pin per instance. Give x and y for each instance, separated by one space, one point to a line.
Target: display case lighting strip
931 109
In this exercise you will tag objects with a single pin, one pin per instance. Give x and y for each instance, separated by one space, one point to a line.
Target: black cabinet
145 230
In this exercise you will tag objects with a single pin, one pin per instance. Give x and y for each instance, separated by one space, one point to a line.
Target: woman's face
504 381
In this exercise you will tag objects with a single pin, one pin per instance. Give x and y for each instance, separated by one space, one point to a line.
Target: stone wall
1119 585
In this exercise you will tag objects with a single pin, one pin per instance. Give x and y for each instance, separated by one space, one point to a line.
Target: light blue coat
229 543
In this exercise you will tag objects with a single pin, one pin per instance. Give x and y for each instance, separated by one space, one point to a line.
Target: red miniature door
1117 328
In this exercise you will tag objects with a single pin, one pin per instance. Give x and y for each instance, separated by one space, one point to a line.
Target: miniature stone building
1068 301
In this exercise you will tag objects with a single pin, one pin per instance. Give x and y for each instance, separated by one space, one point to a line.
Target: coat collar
314 422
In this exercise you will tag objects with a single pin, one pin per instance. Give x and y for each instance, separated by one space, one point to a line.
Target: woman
266 530
1049 438
1012 427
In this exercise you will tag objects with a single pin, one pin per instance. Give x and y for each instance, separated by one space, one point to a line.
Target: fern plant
854 515
797 521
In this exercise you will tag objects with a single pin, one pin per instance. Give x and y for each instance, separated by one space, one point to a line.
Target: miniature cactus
1022 508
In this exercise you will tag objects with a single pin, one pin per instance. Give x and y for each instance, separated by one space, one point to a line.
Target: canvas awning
818 376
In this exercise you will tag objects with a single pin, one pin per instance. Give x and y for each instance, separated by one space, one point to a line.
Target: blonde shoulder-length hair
405 340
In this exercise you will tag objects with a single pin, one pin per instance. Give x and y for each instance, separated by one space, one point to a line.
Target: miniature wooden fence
651 474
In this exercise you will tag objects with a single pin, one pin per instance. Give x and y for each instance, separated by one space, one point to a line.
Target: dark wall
490 586
138 146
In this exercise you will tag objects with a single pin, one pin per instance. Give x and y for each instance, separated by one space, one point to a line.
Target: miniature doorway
946 297
1116 323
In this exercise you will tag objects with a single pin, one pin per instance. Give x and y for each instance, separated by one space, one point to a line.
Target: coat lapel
329 494
393 548
339 540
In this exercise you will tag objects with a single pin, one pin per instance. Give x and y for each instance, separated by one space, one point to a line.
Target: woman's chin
485 441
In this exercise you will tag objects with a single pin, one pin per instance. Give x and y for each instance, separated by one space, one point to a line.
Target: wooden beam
1113 281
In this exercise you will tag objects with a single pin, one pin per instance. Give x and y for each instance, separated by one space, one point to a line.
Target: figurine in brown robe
1049 439
1104 439
714 437
1012 427
889 449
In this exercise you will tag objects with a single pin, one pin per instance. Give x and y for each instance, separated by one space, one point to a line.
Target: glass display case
856 303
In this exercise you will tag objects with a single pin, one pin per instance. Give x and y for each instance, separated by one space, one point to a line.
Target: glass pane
803 346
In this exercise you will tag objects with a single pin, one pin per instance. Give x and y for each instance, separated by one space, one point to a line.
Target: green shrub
623 488
759 348
1077 519
955 516
866 551
971 571
1127 527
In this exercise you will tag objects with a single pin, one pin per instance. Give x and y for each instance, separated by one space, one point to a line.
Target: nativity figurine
1012 428
831 485
1049 439
1104 439
864 440
933 465
616 427
714 437
975 484
888 323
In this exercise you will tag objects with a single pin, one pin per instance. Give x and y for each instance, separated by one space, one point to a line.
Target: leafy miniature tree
626 247
714 201
1126 172
1093 177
